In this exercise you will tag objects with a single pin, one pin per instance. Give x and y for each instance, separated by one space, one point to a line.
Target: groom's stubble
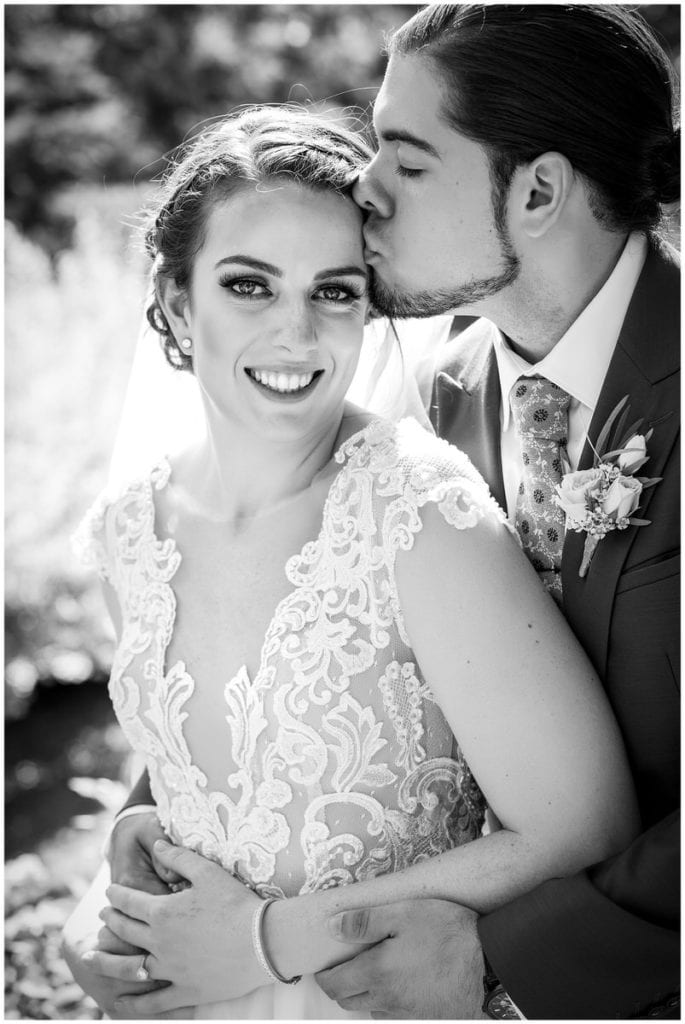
402 304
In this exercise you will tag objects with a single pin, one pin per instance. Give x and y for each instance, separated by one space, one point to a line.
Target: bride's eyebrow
342 272
253 263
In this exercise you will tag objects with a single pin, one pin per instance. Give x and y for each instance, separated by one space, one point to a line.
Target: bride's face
276 308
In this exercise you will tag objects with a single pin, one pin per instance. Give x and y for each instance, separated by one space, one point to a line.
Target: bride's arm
534 725
531 718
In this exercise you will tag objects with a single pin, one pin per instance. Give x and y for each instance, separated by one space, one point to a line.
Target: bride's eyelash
352 291
229 280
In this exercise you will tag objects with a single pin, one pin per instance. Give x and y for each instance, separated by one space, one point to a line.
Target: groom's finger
356 1003
132 902
169 859
352 978
368 925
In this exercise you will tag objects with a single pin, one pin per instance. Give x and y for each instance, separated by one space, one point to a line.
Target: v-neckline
163 470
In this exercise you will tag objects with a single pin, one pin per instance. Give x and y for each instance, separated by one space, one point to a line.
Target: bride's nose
369 194
297 333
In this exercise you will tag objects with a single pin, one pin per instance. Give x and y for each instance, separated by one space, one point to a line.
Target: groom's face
433 241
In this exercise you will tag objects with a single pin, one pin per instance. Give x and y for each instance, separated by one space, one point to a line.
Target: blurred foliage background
95 94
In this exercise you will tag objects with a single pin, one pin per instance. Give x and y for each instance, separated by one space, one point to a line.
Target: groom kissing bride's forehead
525 156
525 153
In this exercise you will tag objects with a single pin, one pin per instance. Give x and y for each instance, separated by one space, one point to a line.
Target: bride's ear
542 190
173 302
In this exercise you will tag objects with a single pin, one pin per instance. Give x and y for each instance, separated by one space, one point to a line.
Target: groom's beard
398 304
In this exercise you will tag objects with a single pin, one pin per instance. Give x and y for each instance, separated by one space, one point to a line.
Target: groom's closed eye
408 172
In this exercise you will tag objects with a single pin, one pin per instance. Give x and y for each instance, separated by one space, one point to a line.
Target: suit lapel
468 409
642 367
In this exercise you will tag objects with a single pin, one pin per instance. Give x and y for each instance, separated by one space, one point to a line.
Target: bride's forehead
277 214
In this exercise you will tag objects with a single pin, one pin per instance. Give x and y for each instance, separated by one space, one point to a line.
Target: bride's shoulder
409 462
130 494
123 503
410 447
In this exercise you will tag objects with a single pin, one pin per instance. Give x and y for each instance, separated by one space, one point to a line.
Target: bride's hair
255 145
586 80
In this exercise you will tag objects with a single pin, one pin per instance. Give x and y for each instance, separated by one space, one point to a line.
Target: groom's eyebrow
411 140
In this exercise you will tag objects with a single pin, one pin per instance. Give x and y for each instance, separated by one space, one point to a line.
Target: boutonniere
605 498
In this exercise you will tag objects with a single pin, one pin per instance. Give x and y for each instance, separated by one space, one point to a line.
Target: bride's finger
163 1000
132 902
135 932
122 968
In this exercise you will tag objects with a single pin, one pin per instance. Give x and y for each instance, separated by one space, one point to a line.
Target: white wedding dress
333 764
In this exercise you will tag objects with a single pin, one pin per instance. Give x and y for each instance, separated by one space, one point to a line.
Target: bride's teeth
283 382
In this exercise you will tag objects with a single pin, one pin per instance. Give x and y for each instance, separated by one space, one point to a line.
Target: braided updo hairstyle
257 145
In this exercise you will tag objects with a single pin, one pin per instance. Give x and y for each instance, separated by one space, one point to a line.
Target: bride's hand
200 937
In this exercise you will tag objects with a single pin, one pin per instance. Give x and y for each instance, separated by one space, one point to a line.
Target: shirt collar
579 361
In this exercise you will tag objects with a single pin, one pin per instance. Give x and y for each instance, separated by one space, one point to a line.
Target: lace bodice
334 763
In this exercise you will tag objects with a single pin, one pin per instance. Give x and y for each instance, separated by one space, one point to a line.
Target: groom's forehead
409 82
410 104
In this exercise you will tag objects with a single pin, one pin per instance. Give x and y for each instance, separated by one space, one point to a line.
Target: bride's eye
245 287
338 293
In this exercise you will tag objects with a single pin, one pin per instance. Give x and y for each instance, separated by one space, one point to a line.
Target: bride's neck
234 478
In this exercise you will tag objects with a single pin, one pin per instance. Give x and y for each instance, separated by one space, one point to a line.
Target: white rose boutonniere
605 498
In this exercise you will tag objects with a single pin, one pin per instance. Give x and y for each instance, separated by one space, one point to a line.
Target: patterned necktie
540 411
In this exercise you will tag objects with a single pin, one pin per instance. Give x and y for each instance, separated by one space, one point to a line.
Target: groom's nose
369 195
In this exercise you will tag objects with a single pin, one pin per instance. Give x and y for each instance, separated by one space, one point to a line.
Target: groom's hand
427 962
131 854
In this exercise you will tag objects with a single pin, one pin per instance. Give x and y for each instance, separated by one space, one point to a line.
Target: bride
332 652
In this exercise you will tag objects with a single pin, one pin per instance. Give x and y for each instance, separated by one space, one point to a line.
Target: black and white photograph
342 511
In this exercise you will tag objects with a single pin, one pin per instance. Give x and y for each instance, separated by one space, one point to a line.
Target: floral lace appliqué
337 763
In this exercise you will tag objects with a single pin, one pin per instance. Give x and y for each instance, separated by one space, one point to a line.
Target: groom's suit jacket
605 942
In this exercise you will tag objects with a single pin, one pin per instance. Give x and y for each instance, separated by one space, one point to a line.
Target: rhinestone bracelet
258 945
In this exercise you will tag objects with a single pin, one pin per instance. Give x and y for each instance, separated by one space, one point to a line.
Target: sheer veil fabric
163 409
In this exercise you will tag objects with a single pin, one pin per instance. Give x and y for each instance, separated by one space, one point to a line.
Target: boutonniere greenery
605 498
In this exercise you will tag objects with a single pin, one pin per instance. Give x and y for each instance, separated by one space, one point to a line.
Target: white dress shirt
578 363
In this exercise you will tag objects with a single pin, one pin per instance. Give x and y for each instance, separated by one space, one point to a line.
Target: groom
523 155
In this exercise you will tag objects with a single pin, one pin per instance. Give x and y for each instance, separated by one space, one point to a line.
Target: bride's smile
290 381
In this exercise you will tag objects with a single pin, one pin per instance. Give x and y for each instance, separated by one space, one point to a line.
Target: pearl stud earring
186 344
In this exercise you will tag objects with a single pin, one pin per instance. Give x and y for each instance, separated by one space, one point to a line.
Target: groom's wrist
497 1003
125 812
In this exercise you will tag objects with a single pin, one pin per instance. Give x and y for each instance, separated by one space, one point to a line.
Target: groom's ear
543 187
175 306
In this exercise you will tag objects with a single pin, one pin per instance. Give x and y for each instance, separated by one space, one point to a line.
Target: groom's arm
603 943
140 795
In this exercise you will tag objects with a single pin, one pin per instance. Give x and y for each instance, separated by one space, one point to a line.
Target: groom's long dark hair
588 81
